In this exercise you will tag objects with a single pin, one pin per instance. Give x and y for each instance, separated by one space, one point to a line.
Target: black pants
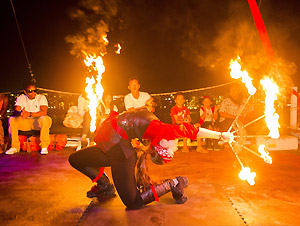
122 169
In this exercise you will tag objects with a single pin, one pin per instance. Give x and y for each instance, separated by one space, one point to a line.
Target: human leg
123 170
45 123
176 186
185 147
16 124
1 137
123 175
88 161
85 129
199 147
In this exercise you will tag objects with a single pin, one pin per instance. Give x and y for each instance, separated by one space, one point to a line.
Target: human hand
227 137
197 125
24 113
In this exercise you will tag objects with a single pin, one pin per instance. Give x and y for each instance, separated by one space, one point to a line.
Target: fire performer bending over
114 148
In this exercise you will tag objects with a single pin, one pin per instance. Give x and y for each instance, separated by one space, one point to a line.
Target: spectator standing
180 114
3 109
83 104
135 99
31 114
103 110
208 119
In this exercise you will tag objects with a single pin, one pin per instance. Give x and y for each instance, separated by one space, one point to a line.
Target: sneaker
11 151
44 151
201 150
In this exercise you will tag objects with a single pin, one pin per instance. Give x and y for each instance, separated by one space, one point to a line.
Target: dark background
170 45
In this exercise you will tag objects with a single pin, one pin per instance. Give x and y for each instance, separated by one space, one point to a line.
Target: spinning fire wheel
240 136
238 130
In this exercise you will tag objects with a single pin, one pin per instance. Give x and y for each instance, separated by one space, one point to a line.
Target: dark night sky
169 45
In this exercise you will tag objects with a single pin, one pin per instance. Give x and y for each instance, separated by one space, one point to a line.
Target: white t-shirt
131 102
31 105
209 117
83 105
106 110
228 106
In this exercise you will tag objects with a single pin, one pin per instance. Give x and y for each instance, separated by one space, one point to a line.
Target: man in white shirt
135 99
31 114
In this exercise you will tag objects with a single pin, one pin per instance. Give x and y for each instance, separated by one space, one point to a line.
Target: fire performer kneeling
114 148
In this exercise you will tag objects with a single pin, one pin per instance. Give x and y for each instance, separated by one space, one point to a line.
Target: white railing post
293 110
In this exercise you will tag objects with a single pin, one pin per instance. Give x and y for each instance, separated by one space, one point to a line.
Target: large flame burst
236 73
271 117
94 88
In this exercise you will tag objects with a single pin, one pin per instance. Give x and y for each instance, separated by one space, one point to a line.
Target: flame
94 90
246 174
237 73
118 51
264 154
105 39
272 117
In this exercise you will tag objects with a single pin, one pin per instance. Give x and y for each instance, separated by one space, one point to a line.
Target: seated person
31 114
103 110
135 99
231 106
180 114
3 109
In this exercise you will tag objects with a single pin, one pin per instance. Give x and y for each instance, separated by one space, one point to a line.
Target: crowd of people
31 114
123 140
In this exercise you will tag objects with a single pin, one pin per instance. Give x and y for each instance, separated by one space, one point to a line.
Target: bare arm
189 119
177 121
227 115
4 107
217 107
26 114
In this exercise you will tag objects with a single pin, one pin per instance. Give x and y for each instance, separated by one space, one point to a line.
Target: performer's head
207 101
133 85
236 93
107 100
30 89
179 99
163 152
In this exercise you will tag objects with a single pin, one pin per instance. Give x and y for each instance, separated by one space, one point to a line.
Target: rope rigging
22 41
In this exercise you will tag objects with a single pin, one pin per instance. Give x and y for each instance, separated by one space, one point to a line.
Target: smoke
94 18
235 34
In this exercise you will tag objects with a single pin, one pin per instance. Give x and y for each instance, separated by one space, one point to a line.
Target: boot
175 185
177 190
102 188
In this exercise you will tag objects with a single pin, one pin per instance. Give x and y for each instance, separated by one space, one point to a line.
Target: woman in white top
103 110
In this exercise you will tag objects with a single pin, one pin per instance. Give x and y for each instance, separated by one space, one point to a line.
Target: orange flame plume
118 51
264 154
237 73
94 91
272 117
246 174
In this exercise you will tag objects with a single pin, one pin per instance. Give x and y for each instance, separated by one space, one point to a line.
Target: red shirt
181 113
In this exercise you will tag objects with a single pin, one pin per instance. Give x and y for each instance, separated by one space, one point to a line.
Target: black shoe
99 190
177 190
